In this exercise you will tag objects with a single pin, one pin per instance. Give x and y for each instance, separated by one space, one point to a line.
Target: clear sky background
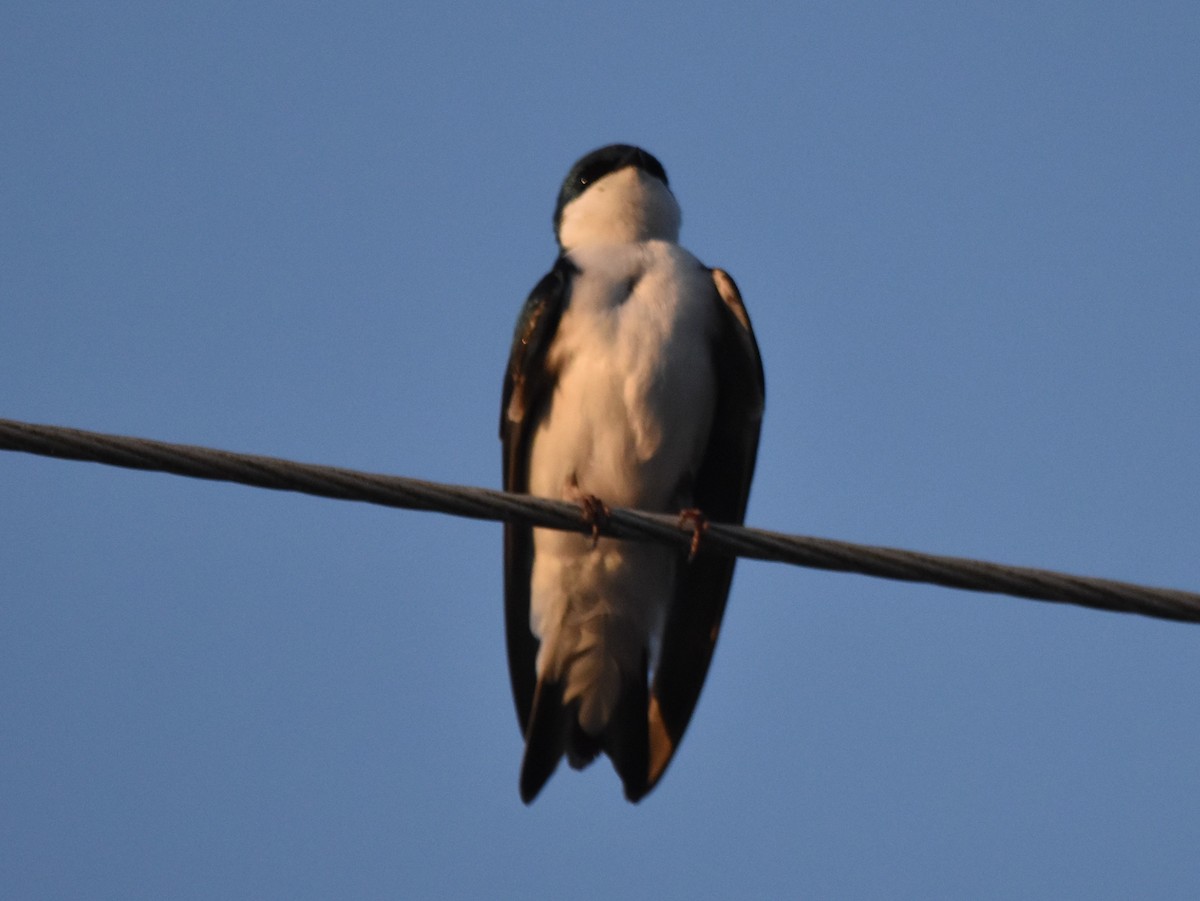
969 239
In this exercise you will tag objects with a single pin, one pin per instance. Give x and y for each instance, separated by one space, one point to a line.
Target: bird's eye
591 174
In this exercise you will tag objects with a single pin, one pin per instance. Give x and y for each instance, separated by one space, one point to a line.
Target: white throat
622 207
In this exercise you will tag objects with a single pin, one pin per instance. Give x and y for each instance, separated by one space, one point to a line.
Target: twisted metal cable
484 503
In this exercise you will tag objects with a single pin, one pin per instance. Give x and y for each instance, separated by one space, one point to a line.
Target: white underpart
628 423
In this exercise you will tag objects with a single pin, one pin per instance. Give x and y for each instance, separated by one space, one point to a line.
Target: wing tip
545 739
626 740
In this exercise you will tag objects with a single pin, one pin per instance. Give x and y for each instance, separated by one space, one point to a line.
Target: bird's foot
699 524
595 514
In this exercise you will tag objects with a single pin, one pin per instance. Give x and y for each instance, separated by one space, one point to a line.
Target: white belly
628 423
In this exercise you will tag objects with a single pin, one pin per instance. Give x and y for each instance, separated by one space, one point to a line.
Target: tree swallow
634 380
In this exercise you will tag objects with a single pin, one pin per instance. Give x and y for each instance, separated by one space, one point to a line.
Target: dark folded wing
721 490
528 385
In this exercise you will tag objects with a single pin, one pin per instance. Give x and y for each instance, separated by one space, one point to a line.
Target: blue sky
968 238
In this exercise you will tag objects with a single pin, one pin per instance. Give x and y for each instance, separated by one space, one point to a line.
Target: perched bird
635 381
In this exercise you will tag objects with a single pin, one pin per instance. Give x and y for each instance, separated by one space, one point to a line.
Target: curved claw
595 514
699 523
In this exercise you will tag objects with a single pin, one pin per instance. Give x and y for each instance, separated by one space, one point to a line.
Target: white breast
628 423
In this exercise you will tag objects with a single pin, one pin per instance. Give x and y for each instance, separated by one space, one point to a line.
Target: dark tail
554 731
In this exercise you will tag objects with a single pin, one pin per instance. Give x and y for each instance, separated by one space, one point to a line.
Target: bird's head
616 194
